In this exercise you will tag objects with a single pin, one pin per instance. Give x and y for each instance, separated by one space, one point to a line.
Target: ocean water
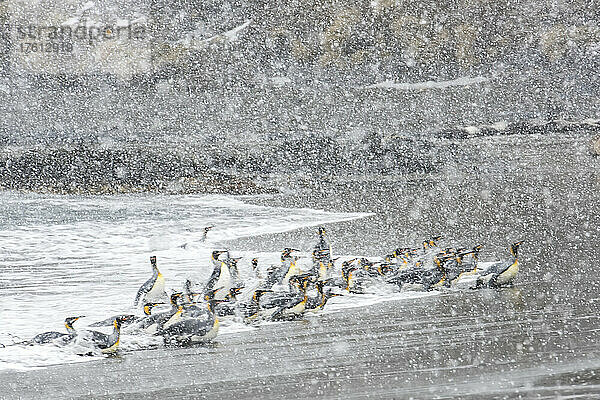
65 256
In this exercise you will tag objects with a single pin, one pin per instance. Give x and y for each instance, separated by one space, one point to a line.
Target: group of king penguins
289 290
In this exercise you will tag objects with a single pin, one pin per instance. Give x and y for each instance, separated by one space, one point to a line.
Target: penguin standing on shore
153 290
322 262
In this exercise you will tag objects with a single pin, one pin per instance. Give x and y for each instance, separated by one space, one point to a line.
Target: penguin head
347 263
210 294
233 261
148 307
207 228
448 251
321 231
366 264
401 251
234 292
330 293
176 298
71 320
153 261
352 268
254 263
514 248
119 320
476 251
433 241
287 251
258 293
384 269
217 253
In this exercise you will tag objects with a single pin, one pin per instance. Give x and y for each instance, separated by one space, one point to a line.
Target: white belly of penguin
292 270
509 275
174 318
157 293
323 271
224 282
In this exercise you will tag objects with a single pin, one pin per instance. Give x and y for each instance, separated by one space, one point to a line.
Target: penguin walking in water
502 273
154 322
205 233
296 306
48 337
108 344
256 269
221 275
288 267
193 325
229 305
317 303
273 301
322 263
153 290
249 311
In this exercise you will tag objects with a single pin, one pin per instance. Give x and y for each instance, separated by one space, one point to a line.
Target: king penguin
107 344
48 337
289 267
221 275
322 263
153 290
502 273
